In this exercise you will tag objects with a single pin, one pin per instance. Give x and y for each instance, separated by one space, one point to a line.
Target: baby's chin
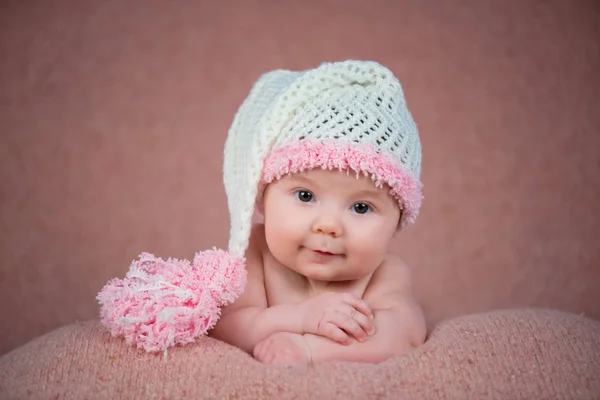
328 273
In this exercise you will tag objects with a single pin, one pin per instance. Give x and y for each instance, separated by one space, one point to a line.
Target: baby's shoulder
390 284
254 292
392 275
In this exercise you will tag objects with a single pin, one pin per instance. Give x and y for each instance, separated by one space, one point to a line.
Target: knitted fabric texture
349 115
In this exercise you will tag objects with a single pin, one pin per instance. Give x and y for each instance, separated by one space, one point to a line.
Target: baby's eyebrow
377 193
300 178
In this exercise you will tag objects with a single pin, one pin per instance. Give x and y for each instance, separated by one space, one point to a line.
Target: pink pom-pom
224 275
160 303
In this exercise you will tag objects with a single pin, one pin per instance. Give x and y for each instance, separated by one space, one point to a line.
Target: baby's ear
398 226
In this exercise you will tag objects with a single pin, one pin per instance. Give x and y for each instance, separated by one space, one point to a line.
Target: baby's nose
328 224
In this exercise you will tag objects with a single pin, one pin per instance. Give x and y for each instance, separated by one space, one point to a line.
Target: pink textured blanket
516 354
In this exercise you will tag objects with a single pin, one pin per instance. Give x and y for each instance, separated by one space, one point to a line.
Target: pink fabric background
113 117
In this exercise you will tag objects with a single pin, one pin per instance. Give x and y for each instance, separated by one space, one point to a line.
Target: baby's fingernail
371 331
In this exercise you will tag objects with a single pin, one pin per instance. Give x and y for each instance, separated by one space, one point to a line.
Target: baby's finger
358 304
270 357
365 322
256 350
334 333
350 325
259 351
267 354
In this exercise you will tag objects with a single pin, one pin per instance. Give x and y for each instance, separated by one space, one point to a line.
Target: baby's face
329 225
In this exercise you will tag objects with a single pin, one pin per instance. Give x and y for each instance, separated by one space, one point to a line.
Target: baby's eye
361 208
304 196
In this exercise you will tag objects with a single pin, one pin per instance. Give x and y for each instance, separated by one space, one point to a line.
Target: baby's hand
283 348
337 316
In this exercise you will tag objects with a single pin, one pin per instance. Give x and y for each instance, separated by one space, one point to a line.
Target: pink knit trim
302 155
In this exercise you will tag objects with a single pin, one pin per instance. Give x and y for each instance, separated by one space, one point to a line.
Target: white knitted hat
348 115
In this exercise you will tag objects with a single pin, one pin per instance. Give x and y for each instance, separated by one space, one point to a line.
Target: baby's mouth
322 252
326 253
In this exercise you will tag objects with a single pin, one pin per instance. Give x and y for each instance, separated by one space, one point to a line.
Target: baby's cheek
371 249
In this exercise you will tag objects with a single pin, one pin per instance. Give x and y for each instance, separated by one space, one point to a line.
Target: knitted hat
348 115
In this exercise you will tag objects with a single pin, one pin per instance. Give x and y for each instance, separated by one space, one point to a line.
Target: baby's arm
248 320
399 321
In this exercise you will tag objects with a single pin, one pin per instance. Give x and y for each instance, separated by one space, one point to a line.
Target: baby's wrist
299 314
295 318
280 318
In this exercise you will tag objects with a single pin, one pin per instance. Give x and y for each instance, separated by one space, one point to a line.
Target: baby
329 160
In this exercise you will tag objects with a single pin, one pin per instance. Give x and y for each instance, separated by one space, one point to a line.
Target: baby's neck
315 287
